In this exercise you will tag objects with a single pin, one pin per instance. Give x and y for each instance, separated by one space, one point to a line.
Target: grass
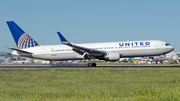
90 84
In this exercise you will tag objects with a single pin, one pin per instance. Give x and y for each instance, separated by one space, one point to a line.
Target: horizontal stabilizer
20 51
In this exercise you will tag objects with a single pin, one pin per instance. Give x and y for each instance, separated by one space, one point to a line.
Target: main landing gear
91 64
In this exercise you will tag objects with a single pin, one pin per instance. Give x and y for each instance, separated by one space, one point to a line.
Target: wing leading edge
82 50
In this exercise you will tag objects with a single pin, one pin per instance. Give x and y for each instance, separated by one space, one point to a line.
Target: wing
81 50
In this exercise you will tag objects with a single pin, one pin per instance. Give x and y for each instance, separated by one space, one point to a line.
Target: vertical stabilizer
22 39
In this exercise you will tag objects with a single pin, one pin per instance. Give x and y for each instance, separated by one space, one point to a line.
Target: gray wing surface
81 50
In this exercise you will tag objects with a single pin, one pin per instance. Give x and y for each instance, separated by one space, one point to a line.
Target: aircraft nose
172 48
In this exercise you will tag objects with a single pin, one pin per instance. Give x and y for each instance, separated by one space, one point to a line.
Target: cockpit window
167 44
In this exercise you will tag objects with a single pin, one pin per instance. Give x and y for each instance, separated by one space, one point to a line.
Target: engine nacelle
112 56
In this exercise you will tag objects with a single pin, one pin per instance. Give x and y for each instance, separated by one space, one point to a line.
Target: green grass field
91 84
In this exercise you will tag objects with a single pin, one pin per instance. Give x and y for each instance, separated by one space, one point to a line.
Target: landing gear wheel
91 64
94 64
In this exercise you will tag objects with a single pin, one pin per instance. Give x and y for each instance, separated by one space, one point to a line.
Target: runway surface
85 66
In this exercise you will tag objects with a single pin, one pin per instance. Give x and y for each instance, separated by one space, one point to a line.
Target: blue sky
82 21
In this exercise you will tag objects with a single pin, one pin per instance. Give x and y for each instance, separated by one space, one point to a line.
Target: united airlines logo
25 41
134 44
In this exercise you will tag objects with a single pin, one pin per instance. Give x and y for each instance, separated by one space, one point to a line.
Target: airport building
5 54
171 55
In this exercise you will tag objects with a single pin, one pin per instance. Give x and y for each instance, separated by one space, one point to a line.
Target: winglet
63 40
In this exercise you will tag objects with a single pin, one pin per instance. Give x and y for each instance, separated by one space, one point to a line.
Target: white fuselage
126 49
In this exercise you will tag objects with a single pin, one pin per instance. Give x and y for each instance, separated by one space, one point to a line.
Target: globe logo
25 41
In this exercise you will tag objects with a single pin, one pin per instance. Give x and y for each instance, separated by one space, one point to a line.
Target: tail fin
22 39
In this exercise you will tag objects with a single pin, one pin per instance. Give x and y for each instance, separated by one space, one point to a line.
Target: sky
83 21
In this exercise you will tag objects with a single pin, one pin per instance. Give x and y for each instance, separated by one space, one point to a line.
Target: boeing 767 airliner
110 51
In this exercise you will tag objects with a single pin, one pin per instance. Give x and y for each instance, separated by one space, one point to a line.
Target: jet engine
112 56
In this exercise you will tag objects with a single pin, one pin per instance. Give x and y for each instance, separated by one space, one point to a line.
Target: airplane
109 51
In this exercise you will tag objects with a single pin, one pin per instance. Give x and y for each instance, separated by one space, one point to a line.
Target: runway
85 66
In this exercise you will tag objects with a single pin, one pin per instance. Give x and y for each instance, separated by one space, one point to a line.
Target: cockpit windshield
167 44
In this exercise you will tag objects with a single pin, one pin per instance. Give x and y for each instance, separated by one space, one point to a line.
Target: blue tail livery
22 39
